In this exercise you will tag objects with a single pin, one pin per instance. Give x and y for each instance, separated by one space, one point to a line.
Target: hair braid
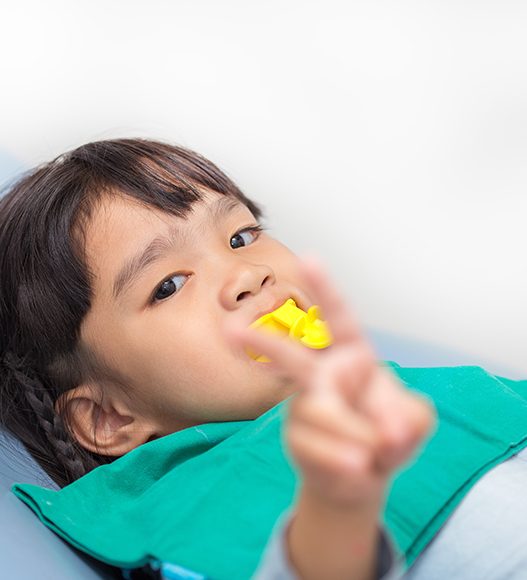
70 456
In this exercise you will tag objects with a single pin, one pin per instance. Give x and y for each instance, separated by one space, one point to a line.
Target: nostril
268 280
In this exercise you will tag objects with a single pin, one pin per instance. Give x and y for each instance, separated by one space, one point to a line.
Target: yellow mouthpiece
289 320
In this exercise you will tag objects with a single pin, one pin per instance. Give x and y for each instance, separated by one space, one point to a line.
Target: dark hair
45 288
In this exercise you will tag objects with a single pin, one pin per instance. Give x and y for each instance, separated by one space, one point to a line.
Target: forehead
117 215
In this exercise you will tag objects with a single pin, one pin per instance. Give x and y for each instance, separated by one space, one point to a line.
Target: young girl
129 273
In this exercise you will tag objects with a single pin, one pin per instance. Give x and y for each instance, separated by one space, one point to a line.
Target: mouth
277 303
287 317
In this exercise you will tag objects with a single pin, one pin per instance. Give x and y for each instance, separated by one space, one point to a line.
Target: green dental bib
207 498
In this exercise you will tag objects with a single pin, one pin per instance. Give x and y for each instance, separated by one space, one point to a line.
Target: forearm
329 542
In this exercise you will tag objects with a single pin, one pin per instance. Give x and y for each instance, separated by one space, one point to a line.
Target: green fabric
482 422
207 498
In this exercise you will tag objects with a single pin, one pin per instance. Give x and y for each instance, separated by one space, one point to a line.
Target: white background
391 137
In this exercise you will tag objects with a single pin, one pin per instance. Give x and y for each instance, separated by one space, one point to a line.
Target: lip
278 303
268 309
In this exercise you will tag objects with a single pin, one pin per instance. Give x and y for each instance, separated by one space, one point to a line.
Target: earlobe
100 424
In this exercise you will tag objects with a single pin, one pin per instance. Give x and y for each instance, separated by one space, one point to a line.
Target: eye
245 237
169 287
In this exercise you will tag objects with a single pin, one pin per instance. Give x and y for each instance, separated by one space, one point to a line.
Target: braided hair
67 455
45 289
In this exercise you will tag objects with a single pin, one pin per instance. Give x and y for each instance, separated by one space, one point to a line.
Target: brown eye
170 286
245 237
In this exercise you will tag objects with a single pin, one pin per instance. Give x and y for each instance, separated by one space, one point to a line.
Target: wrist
336 513
341 505
326 540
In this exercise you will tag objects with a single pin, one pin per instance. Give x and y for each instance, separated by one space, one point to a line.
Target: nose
245 280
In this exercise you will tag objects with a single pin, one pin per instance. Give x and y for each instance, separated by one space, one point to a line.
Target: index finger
285 354
335 311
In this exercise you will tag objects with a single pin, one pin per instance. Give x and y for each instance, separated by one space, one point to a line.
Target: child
130 271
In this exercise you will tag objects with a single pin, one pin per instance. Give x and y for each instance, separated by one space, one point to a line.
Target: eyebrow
160 245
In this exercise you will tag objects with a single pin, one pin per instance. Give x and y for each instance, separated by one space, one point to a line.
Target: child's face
164 342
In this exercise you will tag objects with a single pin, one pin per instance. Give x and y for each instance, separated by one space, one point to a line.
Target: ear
103 425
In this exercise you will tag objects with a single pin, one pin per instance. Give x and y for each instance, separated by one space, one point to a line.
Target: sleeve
485 536
275 565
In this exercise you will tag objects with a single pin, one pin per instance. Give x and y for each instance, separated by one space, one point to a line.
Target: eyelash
256 229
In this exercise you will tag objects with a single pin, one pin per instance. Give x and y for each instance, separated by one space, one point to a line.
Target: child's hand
352 422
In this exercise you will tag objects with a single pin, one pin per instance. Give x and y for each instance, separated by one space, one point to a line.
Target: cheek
189 351
285 262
